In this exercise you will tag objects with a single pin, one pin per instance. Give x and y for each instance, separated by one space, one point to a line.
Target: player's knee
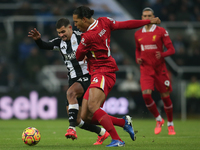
71 95
89 117
163 95
167 101
85 118
92 107
147 99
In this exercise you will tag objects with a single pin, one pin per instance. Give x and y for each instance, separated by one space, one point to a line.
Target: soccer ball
31 136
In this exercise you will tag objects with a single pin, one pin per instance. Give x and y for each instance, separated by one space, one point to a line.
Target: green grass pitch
53 131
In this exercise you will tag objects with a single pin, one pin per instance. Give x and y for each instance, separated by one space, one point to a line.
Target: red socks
104 119
117 121
168 107
150 104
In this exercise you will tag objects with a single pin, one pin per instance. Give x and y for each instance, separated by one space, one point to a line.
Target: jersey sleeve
129 24
168 44
82 49
51 45
137 49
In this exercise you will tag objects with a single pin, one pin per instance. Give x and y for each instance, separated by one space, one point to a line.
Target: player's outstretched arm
35 34
155 20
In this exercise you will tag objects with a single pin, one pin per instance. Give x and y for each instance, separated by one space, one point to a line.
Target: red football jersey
95 43
147 43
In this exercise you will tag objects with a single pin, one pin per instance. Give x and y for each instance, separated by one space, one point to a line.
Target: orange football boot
158 127
71 133
101 138
171 130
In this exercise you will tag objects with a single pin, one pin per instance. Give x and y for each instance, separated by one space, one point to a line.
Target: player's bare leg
95 100
71 131
74 92
102 133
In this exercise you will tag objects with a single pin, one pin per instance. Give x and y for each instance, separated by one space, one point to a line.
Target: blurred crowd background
21 61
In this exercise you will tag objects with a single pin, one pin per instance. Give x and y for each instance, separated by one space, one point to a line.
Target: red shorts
160 80
104 81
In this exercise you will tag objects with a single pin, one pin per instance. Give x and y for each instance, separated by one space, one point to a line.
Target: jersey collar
153 27
93 25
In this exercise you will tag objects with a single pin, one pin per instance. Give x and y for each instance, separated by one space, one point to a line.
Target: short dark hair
83 11
62 22
148 9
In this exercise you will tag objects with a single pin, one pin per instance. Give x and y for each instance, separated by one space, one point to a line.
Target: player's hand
139 61
85 59
155 20
35 34
158 55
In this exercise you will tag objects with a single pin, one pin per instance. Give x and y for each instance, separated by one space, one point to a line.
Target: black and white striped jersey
68 51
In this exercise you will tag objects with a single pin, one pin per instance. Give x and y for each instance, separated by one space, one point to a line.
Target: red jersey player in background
95 45
150 56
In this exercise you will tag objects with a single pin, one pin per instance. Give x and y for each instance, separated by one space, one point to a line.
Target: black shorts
84 81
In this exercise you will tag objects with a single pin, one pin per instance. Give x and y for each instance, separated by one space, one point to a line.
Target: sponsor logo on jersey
148 47
70 56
